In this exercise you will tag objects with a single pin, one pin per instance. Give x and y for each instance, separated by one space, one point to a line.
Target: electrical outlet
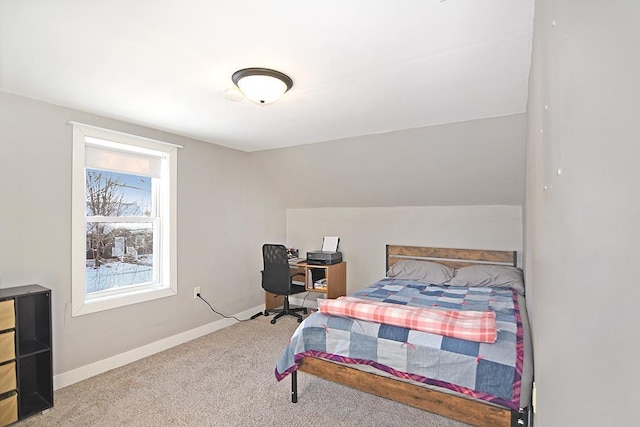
196 291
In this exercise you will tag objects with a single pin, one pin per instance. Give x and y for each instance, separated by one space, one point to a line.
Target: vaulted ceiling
359 67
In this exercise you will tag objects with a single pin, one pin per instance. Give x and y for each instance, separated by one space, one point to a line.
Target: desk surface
304 263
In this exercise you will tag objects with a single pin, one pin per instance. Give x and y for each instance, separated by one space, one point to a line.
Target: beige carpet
222 379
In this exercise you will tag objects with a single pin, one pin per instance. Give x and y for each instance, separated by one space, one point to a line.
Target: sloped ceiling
360 67
477 162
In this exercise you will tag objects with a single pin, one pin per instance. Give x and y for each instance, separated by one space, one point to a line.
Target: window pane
117 194
118 254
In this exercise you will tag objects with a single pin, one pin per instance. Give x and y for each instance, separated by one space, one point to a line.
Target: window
123 219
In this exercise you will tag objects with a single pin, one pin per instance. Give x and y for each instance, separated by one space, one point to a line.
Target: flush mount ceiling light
262 85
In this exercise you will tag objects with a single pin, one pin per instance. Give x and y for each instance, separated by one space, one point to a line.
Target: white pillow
421 271
489 276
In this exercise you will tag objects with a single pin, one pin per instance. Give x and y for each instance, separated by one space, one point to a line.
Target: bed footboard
461 409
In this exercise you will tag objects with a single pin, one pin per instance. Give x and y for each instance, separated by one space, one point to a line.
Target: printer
324 257
329 253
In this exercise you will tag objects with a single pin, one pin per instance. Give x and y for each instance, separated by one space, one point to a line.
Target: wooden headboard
455 258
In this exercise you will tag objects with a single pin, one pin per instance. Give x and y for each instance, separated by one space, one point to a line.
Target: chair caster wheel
266 313
305 311
273 321
299 320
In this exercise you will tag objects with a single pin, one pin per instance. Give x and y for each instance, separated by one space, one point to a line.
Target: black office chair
277 279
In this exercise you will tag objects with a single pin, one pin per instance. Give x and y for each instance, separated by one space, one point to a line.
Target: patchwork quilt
485 371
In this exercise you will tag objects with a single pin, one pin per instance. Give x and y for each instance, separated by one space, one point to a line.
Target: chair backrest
276 276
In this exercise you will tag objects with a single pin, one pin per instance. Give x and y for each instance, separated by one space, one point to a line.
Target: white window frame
167 284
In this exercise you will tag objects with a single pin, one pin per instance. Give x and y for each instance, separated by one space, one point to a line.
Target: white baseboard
82 373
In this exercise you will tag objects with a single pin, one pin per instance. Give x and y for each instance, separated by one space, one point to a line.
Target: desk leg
272 300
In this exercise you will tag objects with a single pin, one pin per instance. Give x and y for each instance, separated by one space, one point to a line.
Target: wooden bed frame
473 412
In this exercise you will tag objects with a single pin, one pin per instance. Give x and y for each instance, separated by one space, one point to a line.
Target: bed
475 380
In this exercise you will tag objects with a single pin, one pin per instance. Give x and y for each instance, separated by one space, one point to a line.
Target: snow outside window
124 219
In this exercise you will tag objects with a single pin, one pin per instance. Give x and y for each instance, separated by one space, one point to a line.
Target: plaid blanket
477 326
485 371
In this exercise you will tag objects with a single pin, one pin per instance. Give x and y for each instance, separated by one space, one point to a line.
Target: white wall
364 232
226 210
582 230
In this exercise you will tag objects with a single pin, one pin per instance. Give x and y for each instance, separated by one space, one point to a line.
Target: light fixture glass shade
262 85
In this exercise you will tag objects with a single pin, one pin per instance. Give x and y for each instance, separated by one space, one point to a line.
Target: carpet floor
222 379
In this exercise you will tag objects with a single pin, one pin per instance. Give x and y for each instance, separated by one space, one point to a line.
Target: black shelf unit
34 372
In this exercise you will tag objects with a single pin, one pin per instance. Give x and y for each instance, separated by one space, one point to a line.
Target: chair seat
295 289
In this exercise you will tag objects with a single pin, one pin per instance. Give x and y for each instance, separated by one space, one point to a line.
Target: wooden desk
336 275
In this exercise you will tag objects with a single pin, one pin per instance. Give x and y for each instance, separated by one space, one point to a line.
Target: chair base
291 312
286 310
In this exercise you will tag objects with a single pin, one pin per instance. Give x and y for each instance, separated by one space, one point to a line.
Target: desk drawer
7 346
7 315
9 410
7 377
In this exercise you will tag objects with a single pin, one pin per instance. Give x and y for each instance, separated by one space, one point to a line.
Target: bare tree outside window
104 198
119 251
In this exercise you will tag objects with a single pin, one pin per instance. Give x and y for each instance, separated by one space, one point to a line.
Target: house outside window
124 219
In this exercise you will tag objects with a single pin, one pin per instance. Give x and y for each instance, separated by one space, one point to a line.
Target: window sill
114 301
